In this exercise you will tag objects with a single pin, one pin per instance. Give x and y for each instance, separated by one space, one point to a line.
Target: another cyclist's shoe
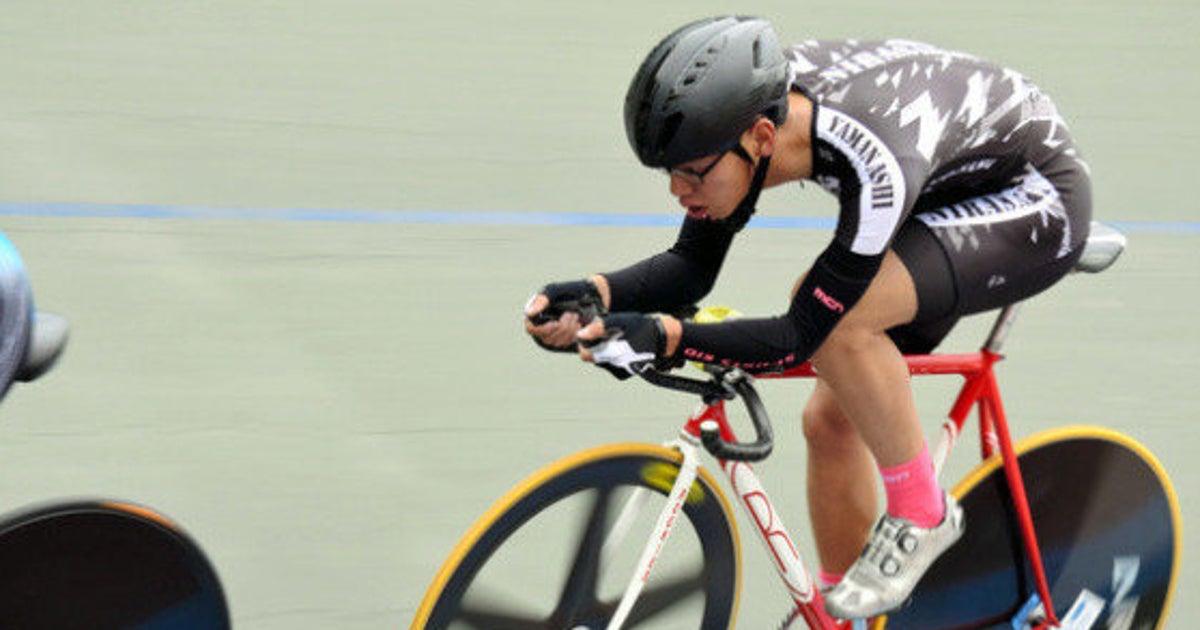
47 339
895 558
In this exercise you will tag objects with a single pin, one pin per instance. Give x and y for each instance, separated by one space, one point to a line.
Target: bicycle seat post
1001 328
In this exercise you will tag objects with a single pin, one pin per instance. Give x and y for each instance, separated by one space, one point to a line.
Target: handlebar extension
725 385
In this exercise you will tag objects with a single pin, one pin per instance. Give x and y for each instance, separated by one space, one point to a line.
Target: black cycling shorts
984 252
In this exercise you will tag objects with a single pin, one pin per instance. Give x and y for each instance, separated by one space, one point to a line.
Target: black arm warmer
833 286
678 277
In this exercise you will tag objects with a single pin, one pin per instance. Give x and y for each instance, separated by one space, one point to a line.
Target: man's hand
627 343
554 316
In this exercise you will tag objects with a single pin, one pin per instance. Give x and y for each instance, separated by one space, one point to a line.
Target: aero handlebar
725 385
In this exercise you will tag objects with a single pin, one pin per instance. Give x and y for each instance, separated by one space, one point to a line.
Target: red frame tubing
815 615
1016 486
981 388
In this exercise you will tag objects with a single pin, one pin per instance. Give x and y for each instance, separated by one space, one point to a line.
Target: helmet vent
669 128
758 53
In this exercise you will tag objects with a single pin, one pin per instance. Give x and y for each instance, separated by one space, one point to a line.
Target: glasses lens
688 177
695 178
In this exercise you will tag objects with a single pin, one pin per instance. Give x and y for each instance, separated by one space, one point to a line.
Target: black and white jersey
899 123
905 135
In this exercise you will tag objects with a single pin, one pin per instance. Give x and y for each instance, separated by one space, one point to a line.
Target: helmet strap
746 207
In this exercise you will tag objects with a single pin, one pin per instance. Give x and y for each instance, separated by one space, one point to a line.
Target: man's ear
762 136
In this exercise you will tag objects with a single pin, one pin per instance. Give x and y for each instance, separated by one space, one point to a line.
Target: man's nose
679 186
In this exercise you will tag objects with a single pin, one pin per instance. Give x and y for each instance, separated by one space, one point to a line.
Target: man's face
711 187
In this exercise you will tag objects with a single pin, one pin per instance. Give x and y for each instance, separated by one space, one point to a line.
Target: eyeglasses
695 178
692 177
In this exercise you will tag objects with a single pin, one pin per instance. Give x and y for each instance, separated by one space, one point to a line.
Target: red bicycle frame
980 390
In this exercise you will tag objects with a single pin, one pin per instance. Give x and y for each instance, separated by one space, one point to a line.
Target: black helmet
704 85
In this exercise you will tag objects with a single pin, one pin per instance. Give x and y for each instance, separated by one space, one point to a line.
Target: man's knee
848 336
825 426
850 339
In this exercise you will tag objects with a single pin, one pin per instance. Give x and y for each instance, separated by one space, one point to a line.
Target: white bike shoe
895 559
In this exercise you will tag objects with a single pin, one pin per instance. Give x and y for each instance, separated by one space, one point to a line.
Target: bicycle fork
768 524
755 504
667 519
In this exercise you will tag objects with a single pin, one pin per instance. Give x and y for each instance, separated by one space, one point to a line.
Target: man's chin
704 213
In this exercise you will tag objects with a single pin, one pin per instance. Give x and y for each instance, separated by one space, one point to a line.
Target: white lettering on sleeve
881 202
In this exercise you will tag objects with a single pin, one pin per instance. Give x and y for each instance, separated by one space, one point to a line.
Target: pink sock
827 580
913 492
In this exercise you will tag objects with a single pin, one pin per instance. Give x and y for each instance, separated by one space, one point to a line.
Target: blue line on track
140 211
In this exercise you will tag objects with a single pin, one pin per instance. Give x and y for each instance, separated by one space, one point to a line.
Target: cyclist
960 191
30 341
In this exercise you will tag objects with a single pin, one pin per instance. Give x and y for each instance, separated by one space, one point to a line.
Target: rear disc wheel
1107 521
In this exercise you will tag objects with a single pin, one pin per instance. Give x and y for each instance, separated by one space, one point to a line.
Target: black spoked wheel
1107 520
559 550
